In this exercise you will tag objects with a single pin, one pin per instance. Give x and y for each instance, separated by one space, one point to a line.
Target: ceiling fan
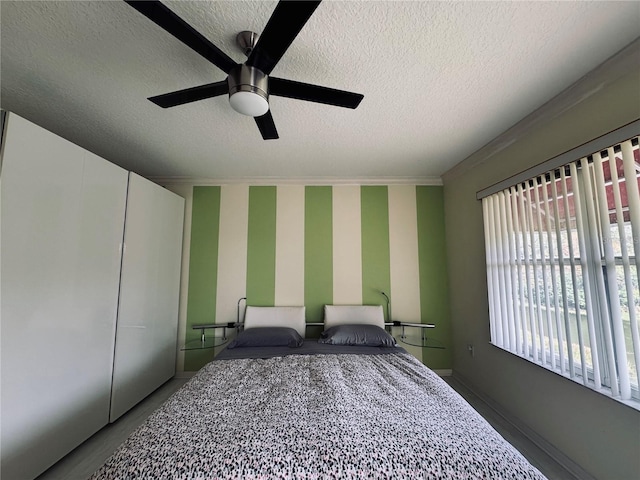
248 84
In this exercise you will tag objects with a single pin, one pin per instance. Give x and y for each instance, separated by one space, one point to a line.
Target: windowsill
605 391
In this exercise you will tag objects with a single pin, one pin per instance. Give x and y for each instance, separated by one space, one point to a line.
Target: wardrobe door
146 337
62 214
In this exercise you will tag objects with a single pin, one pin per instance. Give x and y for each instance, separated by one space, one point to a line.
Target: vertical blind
562 269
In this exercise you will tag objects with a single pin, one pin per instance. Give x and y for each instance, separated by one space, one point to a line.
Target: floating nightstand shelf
209 341
415 334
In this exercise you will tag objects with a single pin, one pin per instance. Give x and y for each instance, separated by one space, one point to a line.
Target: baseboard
568 464
184 374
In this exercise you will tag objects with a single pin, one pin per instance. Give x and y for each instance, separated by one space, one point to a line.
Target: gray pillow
267 337
351 334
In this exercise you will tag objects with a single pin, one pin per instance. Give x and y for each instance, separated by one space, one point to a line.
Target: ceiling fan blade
169 21
267 127
313 93
285 23
192 94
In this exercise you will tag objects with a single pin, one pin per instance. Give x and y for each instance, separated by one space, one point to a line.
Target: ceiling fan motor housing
248 90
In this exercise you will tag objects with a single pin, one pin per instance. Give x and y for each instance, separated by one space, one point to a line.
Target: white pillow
353 314
292 317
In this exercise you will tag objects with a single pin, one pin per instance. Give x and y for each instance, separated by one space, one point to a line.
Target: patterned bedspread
316 417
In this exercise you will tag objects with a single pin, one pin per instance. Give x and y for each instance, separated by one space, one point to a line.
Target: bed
351 404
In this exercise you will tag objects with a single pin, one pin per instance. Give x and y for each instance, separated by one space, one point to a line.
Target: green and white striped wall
317 245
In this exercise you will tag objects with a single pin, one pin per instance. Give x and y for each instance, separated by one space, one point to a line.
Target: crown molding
429 181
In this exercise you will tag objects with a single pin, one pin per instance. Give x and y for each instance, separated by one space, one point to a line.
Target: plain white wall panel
347 245
146 336
232 248
62 223
403 253
289 281
404 260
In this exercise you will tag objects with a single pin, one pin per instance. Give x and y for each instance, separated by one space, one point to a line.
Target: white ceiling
440 80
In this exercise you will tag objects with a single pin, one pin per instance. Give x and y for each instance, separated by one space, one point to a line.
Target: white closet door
62 224
146 337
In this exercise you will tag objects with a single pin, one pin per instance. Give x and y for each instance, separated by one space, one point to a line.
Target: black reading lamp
238 313
388 306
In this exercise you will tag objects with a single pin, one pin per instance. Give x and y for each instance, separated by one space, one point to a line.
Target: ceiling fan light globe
249 103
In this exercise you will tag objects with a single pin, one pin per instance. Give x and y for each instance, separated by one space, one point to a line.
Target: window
562 270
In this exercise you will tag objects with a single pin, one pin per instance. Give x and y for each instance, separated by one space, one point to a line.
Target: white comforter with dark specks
316 417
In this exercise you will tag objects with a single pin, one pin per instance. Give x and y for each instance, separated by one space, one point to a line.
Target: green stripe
261 246
434 292
203 268
318 251
376 276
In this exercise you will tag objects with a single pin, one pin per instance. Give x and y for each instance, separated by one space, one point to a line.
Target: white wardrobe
89 289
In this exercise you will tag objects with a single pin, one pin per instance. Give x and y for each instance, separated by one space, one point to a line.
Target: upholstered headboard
293 317
353 314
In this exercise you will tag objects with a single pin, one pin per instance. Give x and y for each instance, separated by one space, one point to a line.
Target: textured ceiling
440 80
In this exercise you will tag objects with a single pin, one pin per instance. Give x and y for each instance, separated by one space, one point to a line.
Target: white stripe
347 246
289 289
403 254
403 257
232 251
